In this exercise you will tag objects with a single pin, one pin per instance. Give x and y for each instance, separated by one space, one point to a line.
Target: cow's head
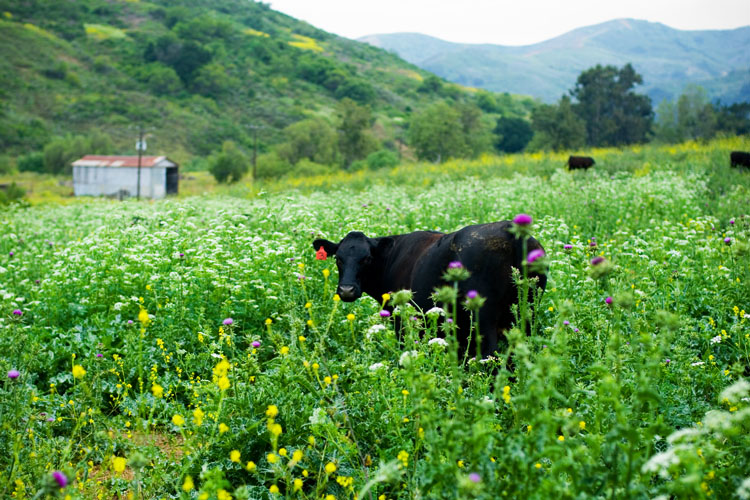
358 259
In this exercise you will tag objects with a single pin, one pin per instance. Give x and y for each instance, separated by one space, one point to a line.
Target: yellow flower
118 464
582 425
223 428
327 380
315 366
285 350
330 497
301 338
297 455
386 297
538 465
143 317
350 317
78 371
268 321
506 394
405 392
310 322
403 456
274 489
561 438
272 411
330 468
223 383
223 495
178 420
272 458
297 484
250 467
326 273
282 452
308 305
222 368
460 464
234 456
198 415
188 484
275 429
336 298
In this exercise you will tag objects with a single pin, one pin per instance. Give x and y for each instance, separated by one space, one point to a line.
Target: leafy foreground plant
194 349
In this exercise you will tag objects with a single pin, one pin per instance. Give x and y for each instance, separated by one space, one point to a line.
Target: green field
131 382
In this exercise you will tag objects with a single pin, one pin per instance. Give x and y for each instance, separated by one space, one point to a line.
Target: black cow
576 162
739 159
416 261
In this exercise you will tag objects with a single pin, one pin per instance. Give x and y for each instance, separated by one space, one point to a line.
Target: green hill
667 58
193 73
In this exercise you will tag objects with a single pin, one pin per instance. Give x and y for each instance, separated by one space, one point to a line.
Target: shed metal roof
123 161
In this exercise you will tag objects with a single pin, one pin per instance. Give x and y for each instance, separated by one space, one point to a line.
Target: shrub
230 164
32 162
382 159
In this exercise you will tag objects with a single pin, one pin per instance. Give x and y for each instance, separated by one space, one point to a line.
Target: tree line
603 109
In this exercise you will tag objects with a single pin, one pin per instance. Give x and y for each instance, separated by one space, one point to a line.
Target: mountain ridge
666 57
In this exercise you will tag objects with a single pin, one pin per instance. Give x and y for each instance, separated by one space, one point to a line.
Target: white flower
744 490
698 363
376 328
716 340
660 463
438 341
436 311
407 357
736 391
318 417
117 306
376 366
217 356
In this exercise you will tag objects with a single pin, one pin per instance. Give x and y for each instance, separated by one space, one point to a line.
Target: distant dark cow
416 261
739 159
576 162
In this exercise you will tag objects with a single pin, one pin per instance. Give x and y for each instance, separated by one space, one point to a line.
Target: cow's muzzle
349 293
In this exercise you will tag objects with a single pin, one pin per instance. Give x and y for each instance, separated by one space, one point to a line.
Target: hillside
193 73
667 58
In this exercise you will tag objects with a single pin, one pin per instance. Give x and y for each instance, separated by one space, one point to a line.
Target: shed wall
108 181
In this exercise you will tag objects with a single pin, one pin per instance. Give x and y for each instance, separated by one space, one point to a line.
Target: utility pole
140 147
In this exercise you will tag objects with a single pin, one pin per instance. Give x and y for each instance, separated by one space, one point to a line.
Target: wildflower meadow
195 347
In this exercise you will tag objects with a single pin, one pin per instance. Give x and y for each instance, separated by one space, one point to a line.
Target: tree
692 117
355 139
557 127
512 134
313 139
230 164
734 119
437 133
477 131
613 113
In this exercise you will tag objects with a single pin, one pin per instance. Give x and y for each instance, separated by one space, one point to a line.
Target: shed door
173 178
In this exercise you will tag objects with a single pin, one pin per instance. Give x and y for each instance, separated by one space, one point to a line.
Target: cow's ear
329 246
383 245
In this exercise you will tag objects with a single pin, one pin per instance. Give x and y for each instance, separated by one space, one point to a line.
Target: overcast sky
504 22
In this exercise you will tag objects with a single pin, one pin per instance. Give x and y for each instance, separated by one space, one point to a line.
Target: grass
132 381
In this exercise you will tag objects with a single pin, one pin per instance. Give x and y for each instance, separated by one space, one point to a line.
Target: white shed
95 175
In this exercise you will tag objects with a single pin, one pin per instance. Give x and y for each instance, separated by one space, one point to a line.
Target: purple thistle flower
597 260
182 255
731 221
592 244
544 346
17 312
228 321
566 322
11 254
14 374
608 300
474 477
384 313
568 246
667 361
99 355
472 294
728 240
455 265
130 321
60 478
449 320
523 220
575 330
256 343
534 255
50 419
